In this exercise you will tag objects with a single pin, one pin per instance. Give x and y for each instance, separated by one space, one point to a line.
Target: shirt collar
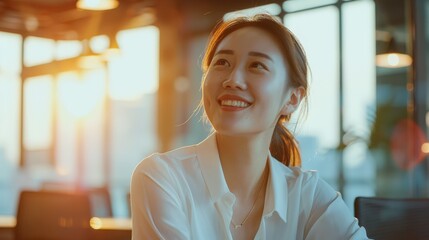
277 189
276 198
208 158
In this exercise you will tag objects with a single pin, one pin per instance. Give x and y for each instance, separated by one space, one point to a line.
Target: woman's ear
295 97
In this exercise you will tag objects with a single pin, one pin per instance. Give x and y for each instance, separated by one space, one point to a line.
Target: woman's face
244 90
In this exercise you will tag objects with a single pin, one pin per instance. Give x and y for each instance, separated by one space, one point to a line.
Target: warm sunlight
10 67
81 94
38 50
67 49
99 43
9 93
135 71
38 106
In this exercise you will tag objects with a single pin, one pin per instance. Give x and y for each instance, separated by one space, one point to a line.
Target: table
7 223
103 228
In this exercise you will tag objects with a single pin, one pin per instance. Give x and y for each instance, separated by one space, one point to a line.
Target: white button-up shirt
183 194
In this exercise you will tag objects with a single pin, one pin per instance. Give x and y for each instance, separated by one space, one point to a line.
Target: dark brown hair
283 145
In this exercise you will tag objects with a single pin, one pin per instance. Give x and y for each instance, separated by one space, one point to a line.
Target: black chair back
100 199
101 203
386 218
48 215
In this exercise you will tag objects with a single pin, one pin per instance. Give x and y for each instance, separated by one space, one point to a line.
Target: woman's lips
233 102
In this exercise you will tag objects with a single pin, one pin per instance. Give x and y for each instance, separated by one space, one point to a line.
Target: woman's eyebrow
224 52
259 54
256 54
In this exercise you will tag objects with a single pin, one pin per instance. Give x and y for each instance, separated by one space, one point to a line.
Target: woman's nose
235 79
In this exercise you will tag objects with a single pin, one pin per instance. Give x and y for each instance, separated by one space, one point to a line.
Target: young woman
244 180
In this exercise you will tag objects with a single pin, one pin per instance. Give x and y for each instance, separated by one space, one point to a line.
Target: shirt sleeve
330 218
156 208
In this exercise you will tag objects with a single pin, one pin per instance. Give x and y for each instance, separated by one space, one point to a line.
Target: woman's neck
244 162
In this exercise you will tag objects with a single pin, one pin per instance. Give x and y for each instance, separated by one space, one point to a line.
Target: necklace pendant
237 226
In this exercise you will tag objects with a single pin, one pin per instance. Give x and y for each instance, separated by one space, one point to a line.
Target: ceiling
61 20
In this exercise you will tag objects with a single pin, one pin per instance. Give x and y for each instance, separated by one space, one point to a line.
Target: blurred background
87 93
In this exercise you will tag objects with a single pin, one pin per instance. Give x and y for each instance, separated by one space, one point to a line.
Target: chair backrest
101 203
100 199
386 218
51 215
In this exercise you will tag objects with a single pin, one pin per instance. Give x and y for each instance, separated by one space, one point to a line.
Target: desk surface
7 221
95 222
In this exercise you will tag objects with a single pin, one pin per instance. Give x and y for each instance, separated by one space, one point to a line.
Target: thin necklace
236 226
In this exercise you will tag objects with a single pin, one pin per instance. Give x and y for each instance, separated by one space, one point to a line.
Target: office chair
386 218
52 215
101 203
99 197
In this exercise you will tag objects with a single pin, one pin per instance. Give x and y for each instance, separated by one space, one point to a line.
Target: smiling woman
244 180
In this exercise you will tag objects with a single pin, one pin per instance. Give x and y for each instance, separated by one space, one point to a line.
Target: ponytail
283 146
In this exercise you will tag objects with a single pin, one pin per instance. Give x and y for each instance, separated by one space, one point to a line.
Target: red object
406 143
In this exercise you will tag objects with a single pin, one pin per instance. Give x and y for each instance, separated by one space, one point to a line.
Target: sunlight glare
99 43
135 72
38 51
38 112
80 97
68 49
9 112
62 171
10 53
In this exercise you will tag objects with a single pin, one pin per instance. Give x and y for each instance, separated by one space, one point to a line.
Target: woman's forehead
250 39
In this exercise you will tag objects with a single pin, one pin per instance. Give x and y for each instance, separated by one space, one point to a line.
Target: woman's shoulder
296 173
306 175
166 160
311 183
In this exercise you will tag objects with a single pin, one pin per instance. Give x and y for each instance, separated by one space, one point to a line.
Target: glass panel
68 49
138 62
359 109
38 102
10 57
10 83
318 133
66 153
81 125
38 51
93 128
9 124
296 5
133 108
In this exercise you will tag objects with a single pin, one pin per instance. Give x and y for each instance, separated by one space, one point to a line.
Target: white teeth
234 103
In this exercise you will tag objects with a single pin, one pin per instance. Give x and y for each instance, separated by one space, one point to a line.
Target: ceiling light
392 58
97 4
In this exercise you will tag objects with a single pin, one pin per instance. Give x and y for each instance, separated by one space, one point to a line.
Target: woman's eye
221 62
258 65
